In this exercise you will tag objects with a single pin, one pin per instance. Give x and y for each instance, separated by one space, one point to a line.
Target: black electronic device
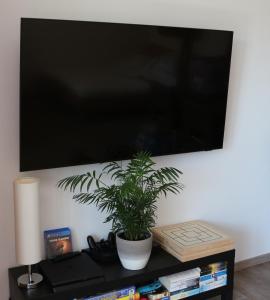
68 271
104 250
65 256
94 92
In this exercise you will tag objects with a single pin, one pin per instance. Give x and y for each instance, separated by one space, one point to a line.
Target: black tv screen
94 92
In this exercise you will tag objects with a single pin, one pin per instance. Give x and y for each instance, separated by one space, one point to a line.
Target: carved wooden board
192 240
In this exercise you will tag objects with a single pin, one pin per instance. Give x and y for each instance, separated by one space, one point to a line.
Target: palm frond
131 202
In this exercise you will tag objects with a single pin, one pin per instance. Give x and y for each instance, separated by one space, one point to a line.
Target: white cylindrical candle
27 228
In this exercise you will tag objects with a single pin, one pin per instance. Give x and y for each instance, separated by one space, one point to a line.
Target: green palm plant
131 200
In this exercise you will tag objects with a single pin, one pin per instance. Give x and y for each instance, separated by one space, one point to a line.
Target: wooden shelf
115 276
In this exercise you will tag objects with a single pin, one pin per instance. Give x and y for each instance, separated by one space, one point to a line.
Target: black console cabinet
161 263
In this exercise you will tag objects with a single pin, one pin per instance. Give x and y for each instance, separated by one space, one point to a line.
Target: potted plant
130 202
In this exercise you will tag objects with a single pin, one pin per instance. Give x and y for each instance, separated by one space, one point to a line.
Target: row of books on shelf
173 287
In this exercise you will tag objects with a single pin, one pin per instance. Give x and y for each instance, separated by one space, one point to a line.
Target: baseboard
247 263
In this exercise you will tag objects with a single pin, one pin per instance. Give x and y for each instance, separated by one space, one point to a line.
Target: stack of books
183 284
192 240
213 276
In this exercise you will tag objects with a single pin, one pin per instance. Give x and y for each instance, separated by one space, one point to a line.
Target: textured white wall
228 187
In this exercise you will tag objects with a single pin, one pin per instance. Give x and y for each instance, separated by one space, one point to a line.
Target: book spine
183 281
180 284
213 276
150 288
210 285
164 298
185 293
114 295
135 296
159 295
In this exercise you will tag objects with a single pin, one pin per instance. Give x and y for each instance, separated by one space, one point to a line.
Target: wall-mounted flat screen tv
94 92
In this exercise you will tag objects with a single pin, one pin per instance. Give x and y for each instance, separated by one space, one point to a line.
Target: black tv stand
115 276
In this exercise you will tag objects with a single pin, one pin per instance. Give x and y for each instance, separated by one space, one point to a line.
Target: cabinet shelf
161 263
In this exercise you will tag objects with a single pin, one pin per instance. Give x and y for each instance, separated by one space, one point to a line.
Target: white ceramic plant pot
134 255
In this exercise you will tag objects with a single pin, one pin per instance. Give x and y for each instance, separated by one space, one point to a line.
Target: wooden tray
192 240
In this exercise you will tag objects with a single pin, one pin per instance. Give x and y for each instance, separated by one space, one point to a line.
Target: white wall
229 187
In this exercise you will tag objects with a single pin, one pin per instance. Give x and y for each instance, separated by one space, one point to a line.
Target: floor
252 283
